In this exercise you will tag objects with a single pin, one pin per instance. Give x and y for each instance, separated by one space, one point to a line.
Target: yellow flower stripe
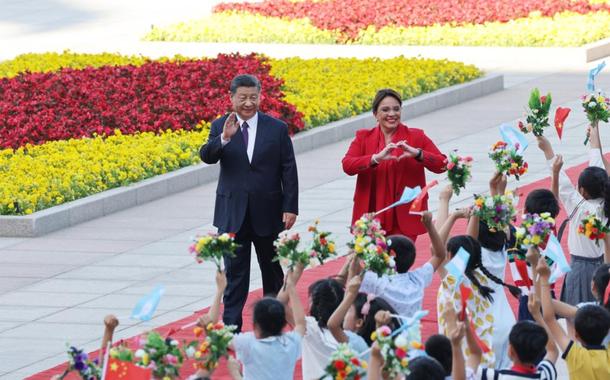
326 90
37 177
563 29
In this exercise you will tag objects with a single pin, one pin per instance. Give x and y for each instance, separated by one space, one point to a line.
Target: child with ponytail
591 197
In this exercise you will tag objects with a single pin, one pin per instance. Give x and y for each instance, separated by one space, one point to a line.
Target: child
592 197
586 359
420 368
405 290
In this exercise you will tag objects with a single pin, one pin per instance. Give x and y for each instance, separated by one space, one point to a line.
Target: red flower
339 364
543 99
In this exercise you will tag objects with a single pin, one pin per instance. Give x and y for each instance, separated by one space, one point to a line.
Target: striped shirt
546 371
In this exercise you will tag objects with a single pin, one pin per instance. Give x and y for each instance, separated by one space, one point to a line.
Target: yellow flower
404 362
145 359
331 247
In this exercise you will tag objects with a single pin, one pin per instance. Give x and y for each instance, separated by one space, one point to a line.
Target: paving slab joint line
110 201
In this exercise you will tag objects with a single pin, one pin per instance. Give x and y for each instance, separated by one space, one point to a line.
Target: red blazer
385 182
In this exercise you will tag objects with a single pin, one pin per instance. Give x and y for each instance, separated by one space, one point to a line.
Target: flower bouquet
370 246
458 171
214 346
79 361
121 352
321 248
161 355
535 230
507 159
597 108
213 247
496 211
393 350
538 113
345 365
593 228
288 253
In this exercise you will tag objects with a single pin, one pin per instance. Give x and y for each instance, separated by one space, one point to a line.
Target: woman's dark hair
474 248
325 296
601 277
439 347
270 316
425 368
542 200
404 249
369 325
382 94
595 182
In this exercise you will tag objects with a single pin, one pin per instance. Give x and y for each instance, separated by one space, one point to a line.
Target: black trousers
238 271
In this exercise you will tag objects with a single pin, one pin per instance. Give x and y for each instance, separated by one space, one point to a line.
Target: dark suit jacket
267 187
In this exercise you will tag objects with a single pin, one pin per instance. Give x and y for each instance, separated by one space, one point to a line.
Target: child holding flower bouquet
590 200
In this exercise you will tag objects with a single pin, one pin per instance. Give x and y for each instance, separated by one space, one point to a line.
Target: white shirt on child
404 291
268 358
546 371
580 245
318 345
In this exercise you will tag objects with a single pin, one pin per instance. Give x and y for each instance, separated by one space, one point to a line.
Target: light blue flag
457 266
147 305
513 136
592 74
408 195
554 252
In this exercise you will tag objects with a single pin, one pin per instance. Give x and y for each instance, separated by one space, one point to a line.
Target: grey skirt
577 284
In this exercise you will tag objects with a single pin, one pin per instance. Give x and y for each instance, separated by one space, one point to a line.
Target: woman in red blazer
386 159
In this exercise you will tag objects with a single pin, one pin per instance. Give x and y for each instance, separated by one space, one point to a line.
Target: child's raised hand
533 305
383 317
426 219
532 256
543 269
204 321
353 286
557 164
446 193
463 213
544 144
221 280
449 314
457 333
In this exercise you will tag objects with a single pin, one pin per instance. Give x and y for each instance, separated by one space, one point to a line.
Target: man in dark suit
257 193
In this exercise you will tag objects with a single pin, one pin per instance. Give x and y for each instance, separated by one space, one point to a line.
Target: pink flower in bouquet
385 331
450 165
171 359
543 99
400 353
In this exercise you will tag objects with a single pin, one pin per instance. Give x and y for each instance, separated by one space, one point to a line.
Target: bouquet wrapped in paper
345 365
593 228
394 351
288 253
597 108
538 113
369 244
321 247
497 211
507 160
535 230
208 353
214 247
458 171
162 355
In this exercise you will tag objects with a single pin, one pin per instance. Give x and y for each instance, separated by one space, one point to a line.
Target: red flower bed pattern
350 16
35 108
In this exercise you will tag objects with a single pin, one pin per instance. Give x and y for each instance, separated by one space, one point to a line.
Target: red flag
484 347
417 204
465 293
607 294
117 370
522 269
561 114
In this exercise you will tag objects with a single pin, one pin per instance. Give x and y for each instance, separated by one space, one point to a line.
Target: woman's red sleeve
355 161
433 159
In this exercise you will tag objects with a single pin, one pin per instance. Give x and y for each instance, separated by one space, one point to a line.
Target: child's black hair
595 182
269 316
492 240
601 277
369 325
542 200
325 296
358 303
528 340
439 347
474 248
425 368
404 249
591 324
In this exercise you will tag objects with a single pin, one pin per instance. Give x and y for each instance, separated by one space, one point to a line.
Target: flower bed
132 118
539 22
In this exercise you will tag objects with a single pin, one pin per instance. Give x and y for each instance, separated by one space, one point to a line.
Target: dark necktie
244 132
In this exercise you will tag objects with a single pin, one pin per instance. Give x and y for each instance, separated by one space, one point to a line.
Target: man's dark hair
592 323
244 80
439 347
270 316
542 200
404 249
425 368
528 341
384 93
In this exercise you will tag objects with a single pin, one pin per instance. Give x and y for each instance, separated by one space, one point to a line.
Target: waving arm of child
335 322
375 363
455 332
548 311
533 305
283 295
446 230
298 314
597 158
213 314
437 247
443 206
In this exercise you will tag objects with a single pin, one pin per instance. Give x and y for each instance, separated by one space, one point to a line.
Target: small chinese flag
418 203
465 293
117 370
484 347
561 114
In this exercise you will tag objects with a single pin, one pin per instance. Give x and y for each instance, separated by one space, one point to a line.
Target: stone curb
110 201
597 50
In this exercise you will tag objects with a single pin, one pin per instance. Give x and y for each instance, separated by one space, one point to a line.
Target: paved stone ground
57 288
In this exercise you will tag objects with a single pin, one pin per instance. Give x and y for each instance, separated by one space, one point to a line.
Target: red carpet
329 269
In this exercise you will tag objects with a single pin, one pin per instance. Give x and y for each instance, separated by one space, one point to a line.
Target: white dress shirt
252 126
580 245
